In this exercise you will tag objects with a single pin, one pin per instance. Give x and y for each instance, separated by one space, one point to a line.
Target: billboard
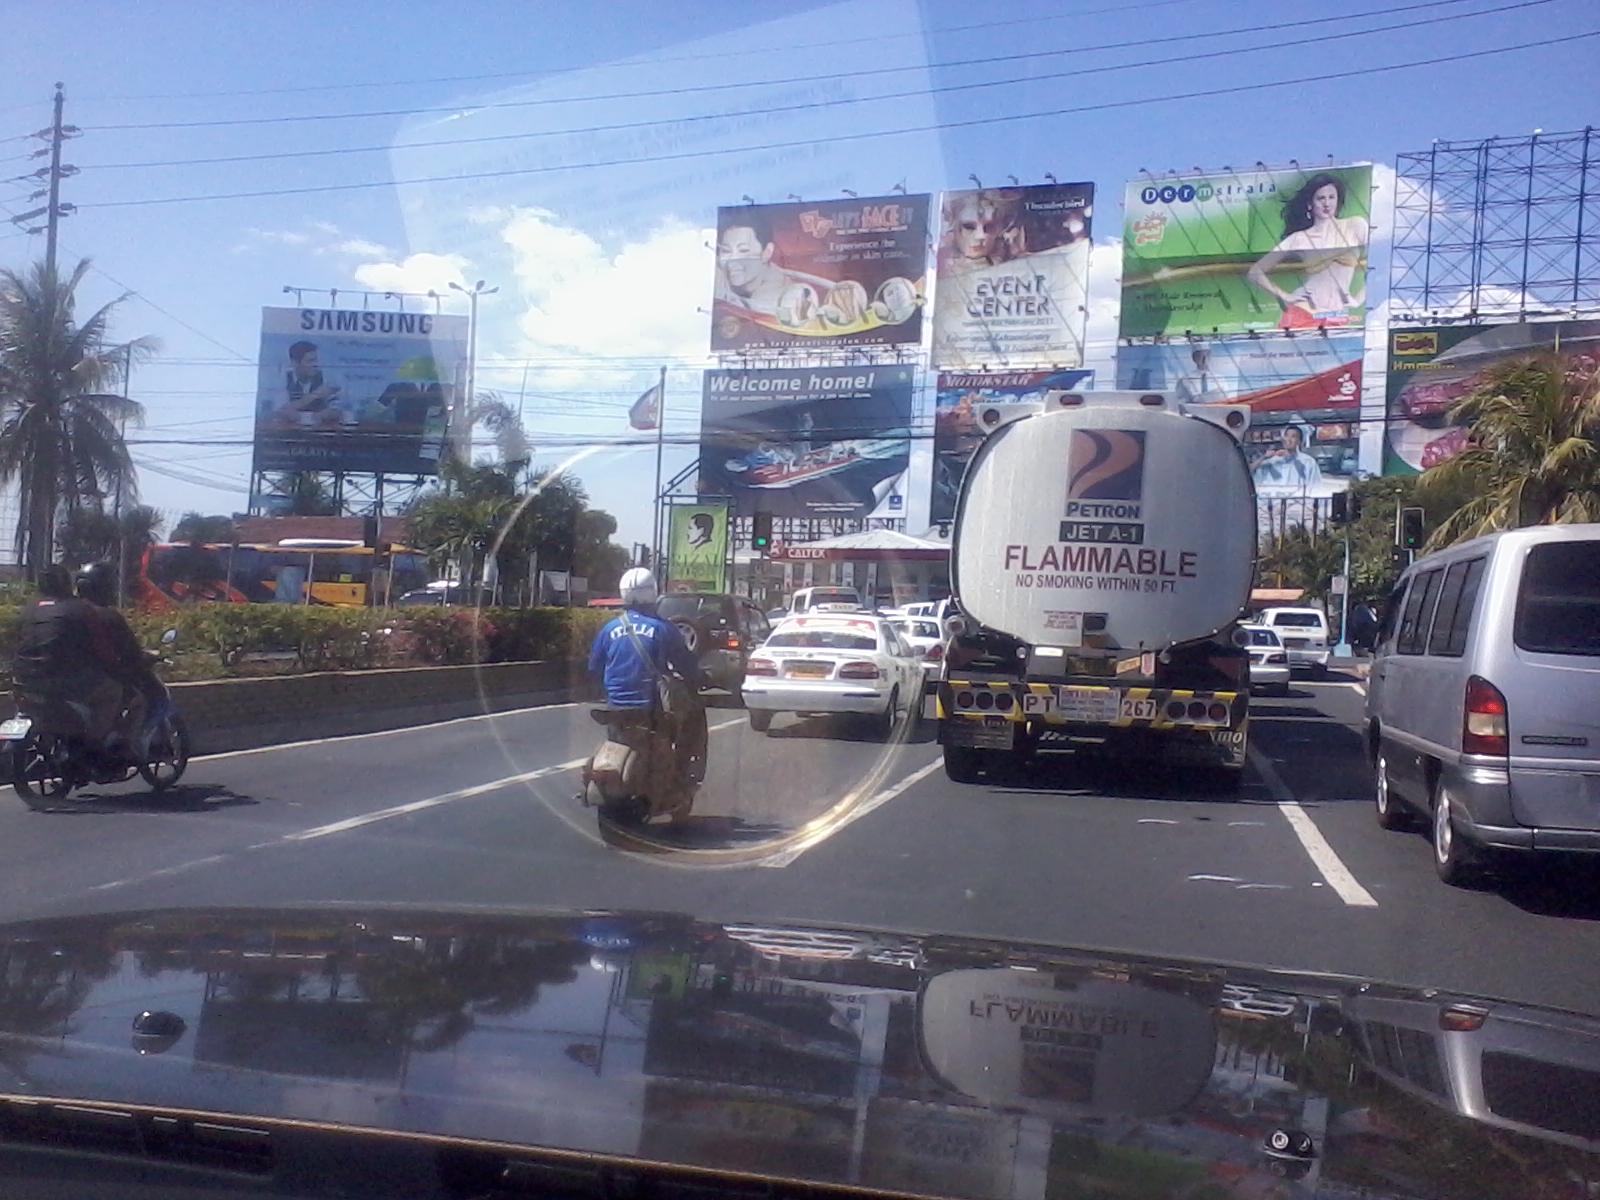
1246 251
346 390
697 548
1304 395
1013 275
806 442
848 272
955 427
1430 369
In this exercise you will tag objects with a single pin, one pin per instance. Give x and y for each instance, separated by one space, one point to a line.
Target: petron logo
1104 464
1177 193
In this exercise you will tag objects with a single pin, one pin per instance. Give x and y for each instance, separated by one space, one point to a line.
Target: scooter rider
62 655
631 655
126 659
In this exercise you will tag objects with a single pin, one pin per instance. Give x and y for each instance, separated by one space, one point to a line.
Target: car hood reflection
931 1065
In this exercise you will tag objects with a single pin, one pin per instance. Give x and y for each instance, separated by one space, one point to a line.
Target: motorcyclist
62 657
631 654
119 649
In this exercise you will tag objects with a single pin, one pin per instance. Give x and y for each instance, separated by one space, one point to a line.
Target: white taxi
833 663
1269 660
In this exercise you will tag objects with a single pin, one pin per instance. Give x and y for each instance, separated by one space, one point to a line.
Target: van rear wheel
1456 860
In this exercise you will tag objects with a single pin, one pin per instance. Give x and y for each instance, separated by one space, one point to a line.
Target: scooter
634 774
51 756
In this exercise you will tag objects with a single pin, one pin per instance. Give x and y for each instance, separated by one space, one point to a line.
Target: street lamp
463 446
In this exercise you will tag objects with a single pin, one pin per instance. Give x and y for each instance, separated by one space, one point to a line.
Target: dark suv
721 631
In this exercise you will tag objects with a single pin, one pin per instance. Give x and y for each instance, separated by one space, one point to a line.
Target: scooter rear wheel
36 777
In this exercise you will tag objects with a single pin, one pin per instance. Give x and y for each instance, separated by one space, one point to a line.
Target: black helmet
98 584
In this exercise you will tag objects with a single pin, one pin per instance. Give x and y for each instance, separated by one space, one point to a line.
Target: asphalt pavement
820 823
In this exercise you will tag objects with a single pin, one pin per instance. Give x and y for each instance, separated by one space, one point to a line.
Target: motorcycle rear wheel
169 754
36 776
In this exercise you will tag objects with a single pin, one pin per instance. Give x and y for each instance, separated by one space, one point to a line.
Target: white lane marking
376 733
1155 821
1218 878
1322 855
875 801
383 814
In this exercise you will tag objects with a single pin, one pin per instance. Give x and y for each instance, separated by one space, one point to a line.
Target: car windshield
853 433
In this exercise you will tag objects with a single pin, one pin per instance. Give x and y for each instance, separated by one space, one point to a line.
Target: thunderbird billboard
1248 251
807 442
1013 272
1304 395
848 272
347 390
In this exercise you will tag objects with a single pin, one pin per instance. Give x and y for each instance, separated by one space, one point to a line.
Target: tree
596 556
89 535
198 527
60 427
1532 456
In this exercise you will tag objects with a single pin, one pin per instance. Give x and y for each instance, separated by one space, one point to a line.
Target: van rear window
1553 1096
1558 603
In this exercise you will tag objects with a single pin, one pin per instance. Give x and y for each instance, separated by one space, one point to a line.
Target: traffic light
1339 508
761 532
1399 559
1411 528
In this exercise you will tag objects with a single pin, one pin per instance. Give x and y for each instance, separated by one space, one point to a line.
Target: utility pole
461 428
50 177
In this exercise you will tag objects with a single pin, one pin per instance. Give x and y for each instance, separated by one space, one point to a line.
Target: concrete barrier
242 714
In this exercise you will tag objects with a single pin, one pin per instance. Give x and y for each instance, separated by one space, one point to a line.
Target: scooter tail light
1483 727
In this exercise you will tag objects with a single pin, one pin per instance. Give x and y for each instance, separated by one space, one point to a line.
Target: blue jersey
631 651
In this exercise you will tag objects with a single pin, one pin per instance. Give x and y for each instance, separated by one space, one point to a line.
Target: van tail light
1483 729
934 653
858 670
761 666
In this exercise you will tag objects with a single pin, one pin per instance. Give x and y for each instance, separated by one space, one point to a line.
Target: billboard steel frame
1497 227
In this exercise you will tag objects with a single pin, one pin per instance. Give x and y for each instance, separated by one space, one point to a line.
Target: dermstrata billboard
808 442
1259 250
1304 395
1432 369
697 548
849 272
1012 277
346 390
956 435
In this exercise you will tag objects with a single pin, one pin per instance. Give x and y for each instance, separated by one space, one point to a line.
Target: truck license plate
1139 710
1096 705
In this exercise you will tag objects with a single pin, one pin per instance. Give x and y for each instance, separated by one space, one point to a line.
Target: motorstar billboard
349 390
1246 251
847 272
1013 275
806 442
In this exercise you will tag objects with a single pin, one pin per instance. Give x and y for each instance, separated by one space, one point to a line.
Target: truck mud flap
1047 704
988 732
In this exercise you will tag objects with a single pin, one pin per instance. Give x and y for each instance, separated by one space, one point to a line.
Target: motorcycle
635 773
51 756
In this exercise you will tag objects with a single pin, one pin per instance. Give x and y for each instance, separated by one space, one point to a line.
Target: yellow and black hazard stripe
1136 707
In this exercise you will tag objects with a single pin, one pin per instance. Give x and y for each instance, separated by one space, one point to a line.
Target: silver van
1483 706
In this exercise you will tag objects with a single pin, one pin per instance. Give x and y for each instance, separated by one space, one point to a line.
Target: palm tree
60 428
1533 456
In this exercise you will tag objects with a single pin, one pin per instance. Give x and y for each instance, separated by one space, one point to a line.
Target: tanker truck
1102 553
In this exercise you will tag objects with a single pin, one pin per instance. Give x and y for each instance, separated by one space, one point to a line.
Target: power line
634 64
971 123
696 89
172 316
944 89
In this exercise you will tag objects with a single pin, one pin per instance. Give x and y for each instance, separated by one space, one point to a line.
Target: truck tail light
859 670
761 666
1483 728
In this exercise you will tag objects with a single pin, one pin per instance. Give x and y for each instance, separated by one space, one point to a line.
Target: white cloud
416 273
1105 311
280 237
362 248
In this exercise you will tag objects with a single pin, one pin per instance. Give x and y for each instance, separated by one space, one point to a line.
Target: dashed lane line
1322 855
877 800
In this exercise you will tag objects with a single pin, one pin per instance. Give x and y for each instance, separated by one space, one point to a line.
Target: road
816 823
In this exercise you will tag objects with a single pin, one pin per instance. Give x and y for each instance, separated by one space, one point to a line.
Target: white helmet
639 589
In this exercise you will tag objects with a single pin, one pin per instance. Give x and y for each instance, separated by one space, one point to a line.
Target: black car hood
943 1066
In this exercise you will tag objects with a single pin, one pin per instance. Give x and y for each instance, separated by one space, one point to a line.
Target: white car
833 663
1305 636
923 635
1269 661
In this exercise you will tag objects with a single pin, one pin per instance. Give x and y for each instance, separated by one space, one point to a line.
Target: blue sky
602 270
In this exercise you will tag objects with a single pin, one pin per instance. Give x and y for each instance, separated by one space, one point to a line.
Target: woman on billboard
1328 248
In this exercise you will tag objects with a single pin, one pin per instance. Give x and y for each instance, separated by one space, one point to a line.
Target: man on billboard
1289 465
306 394
1328 248
1200 385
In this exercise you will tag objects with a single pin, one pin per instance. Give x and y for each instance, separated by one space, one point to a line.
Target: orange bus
294 571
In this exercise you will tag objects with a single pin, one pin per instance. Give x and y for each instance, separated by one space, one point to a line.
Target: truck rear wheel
965 764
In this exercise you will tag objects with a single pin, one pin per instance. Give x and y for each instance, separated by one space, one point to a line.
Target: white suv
1305 636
